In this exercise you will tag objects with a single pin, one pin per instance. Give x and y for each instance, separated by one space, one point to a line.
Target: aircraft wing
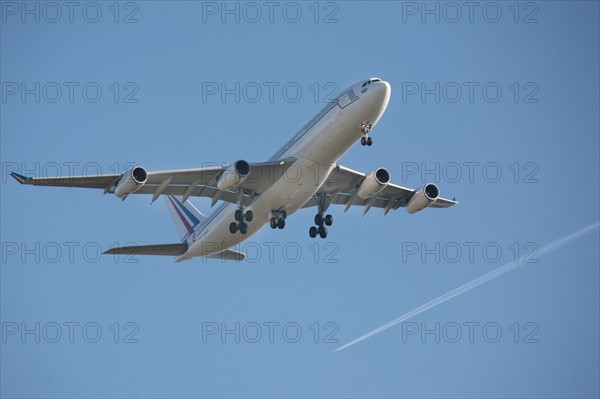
341 187
199 182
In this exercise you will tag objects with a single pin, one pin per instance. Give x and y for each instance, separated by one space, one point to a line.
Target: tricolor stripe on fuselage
178 206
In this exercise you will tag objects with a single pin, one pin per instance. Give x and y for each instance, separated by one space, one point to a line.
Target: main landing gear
323 202
278 219
240 224
365 128
320 229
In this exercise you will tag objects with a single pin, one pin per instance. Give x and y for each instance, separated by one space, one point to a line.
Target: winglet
20 178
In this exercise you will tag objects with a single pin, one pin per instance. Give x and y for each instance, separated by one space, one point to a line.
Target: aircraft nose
381 94
385 91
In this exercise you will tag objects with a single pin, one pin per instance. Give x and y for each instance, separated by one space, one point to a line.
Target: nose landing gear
365 128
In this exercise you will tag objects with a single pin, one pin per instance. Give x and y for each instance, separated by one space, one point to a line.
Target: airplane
303 173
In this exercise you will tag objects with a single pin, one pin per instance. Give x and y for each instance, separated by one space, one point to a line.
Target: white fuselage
317 147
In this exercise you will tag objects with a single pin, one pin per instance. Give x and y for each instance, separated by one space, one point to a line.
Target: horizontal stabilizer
228 254
160 249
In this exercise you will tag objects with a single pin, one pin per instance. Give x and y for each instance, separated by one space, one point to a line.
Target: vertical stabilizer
185 216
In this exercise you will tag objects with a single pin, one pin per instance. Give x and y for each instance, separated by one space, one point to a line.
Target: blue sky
497 104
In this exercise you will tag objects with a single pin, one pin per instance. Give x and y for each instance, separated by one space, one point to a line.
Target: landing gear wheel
243 228
323 232
319 219
328 220
239 215
284 214
312 232
363 141
369 141
273 223
233 227
249 216
281 223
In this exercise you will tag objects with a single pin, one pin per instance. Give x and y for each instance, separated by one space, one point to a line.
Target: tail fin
185 216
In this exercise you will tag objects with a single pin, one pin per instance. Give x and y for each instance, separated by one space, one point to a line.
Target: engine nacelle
423 198
131 181
233 175
373 183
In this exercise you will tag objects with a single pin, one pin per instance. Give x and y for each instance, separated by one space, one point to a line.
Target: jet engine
233 175
423 197
131 181
373 183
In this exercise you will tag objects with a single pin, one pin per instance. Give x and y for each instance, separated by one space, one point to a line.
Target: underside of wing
348 187
241 181
443 203
100 181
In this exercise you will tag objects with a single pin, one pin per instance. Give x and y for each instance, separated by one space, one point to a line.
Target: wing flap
198 191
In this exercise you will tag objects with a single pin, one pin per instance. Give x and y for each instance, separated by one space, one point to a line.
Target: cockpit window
368 82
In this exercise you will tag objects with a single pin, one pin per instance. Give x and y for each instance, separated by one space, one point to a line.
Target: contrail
477 282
